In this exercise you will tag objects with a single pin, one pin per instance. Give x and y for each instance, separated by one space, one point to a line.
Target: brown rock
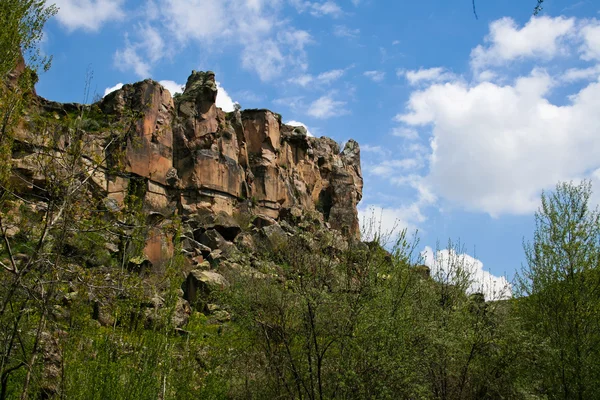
191 159
146 110
222 222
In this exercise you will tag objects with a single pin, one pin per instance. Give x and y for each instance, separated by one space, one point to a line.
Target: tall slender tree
560 284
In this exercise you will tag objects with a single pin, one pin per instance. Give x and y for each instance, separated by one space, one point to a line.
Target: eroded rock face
189 158
146 111
224 159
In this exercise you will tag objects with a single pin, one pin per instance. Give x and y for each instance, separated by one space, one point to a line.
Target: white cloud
344 31
326 107
268 44
326 8
224 101
580 74
542 37
138 55
302 80
250 96
367 148
265 58
297 123
112 89
591 46
324 78
295 103
377 220
129 59
375 76
387 223
88 15
152 42
427 75
406 133
388 168
485 133
318 9
449 266
495 145
330 76
172 86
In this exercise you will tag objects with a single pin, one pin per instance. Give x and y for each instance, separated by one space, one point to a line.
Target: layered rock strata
190 158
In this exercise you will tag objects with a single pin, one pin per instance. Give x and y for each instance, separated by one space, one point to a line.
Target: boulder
260 221
222 222
245 242
213 239
200 284
274 236
194 247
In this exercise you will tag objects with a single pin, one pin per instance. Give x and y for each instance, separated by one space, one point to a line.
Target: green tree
561 285
22 30
22 23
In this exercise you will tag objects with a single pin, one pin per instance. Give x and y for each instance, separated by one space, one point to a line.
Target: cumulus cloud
224 101
542 37
590 48
88 15
494 145
375 76
327 107
484 133
112 88
172 86
298 123
449 266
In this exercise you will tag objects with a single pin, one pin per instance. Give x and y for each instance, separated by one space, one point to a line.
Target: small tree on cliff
562 283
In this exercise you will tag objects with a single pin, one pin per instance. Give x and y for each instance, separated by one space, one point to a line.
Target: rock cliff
188 158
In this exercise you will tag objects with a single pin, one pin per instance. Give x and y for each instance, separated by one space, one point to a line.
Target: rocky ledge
188 158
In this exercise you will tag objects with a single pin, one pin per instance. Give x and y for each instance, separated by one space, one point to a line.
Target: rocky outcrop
223 159
187 157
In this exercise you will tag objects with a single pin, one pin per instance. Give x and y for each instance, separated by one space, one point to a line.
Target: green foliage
22 24
560 286
362 323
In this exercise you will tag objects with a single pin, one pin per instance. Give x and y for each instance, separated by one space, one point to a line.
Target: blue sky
461 121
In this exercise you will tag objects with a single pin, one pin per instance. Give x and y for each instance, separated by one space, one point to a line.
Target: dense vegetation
320 320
